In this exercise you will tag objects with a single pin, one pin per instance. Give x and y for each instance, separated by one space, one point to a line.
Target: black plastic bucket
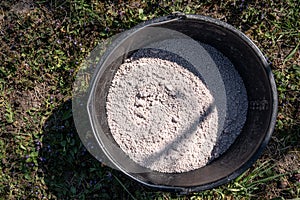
248 61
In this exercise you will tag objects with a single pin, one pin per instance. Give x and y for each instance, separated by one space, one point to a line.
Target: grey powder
173 113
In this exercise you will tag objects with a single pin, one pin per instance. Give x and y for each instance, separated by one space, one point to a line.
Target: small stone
174 119
140 114
139 102
283 184
169 87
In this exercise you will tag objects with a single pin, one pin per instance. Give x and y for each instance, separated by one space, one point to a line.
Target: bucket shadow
69 171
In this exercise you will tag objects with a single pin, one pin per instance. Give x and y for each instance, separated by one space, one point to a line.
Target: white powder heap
165 118
161 115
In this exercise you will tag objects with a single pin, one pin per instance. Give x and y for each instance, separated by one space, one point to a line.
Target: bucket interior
257 78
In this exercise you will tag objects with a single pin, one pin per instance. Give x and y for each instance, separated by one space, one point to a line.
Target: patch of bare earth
22 7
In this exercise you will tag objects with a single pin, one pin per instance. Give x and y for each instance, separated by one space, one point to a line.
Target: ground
42 44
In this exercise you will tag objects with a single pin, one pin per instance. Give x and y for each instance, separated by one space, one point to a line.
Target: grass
42 44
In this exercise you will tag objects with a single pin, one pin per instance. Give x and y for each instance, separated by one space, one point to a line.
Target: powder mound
162 115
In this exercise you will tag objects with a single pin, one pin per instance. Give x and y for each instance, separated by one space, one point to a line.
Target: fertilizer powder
164 116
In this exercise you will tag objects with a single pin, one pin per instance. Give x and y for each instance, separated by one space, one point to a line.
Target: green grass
41 47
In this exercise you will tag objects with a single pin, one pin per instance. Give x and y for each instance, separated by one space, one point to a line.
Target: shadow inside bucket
236 101
166 55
